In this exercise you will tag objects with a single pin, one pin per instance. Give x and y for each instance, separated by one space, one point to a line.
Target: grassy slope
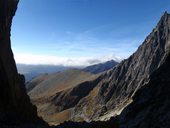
58 82
46 88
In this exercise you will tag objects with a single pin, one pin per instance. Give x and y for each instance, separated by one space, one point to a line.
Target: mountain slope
117 86
41 71
148 104
151 104
36 81
53 83
111 92
98 68
149 109
45 87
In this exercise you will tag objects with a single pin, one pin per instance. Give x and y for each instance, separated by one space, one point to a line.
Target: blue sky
75 32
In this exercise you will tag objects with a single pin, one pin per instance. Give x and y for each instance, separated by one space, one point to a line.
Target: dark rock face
119 85
98 124
98 68
14 102
151 105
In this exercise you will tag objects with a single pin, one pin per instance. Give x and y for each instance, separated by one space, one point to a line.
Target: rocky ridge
149 103
101 67
150 107
113 91
117 87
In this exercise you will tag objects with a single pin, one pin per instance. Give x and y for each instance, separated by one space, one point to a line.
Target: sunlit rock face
15 105
119 85
150 104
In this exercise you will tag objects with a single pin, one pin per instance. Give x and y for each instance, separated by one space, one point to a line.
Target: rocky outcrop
15 105
109 94
151 105
118 86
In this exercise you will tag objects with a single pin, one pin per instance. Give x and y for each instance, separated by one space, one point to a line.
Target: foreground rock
15 106
151 105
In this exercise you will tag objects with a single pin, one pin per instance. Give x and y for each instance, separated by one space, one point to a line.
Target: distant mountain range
98 68
31 71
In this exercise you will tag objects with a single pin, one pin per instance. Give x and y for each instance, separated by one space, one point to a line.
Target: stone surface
151 104
118 86
150 107
15 105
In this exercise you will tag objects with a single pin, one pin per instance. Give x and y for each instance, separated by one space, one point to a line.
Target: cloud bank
64 61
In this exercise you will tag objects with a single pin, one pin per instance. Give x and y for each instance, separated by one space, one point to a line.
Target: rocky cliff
151 105
117 87
145 92
109 94
15 105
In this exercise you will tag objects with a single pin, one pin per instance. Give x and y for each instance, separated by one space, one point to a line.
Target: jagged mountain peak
165 15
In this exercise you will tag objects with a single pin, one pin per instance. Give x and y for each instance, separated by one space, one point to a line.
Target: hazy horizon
81 32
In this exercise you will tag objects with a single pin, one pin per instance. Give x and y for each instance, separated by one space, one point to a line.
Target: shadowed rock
15 106
151 104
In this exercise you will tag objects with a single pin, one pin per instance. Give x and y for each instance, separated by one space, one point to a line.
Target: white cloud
93 46
56 60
